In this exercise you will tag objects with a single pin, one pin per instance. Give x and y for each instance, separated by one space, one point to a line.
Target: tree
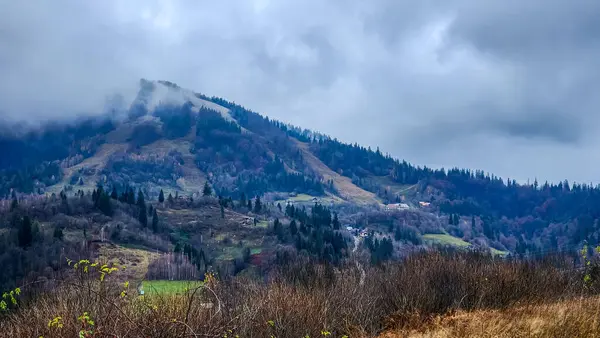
103 204
207 190
257 205
155 221
130 196
170 198
25 233
14 204
249 205
243 200
279 206
114 195
58 233
141 203
336 222
222 211
161 196
293 227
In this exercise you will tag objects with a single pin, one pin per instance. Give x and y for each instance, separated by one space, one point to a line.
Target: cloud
505 86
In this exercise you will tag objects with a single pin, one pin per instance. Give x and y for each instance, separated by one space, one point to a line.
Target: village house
396 206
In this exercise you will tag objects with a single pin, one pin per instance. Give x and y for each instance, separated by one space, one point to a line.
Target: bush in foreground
297 301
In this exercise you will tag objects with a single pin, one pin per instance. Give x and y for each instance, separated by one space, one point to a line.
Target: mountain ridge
175 140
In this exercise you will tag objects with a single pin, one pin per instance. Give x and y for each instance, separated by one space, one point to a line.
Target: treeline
29 160
316 234
222 149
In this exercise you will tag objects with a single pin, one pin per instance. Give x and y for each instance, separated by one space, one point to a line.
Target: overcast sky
508 86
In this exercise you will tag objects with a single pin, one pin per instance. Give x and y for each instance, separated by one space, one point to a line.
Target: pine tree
25 233
279 206
58 233
207 190
161 196
155 221
114 194
243 200
336 222
222 211
293 228
249 205
103 204
170 198
141 203
131 197
257 205
14 204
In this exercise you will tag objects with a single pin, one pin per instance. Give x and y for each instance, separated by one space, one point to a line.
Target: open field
445 239
168 287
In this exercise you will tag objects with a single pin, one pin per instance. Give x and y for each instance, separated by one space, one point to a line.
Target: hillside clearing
445 239
342 184
94 164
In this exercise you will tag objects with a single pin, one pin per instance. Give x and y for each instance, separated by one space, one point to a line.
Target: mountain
174 140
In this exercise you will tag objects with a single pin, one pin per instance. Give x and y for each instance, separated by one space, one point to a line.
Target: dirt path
363 275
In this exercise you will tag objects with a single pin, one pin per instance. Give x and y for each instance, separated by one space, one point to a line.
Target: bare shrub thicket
304 298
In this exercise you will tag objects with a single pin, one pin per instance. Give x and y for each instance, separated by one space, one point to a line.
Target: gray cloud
505 86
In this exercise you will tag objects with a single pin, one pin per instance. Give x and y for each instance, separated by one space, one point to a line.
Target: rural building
396 206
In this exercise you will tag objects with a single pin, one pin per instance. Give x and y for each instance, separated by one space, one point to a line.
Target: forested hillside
156 144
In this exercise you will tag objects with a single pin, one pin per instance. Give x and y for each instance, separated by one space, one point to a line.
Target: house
424 204
397 206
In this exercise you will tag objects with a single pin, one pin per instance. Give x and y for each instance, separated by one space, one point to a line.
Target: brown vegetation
426 293
570 318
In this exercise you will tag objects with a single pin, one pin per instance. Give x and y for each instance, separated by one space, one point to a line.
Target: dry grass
95 163
570 318
342 184
427 295
136 260
193 179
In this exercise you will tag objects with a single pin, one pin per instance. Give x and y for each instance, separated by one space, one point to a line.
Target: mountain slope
173 139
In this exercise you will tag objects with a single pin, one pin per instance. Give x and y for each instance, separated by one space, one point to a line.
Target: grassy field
445 239
168 287
497 252
263 224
